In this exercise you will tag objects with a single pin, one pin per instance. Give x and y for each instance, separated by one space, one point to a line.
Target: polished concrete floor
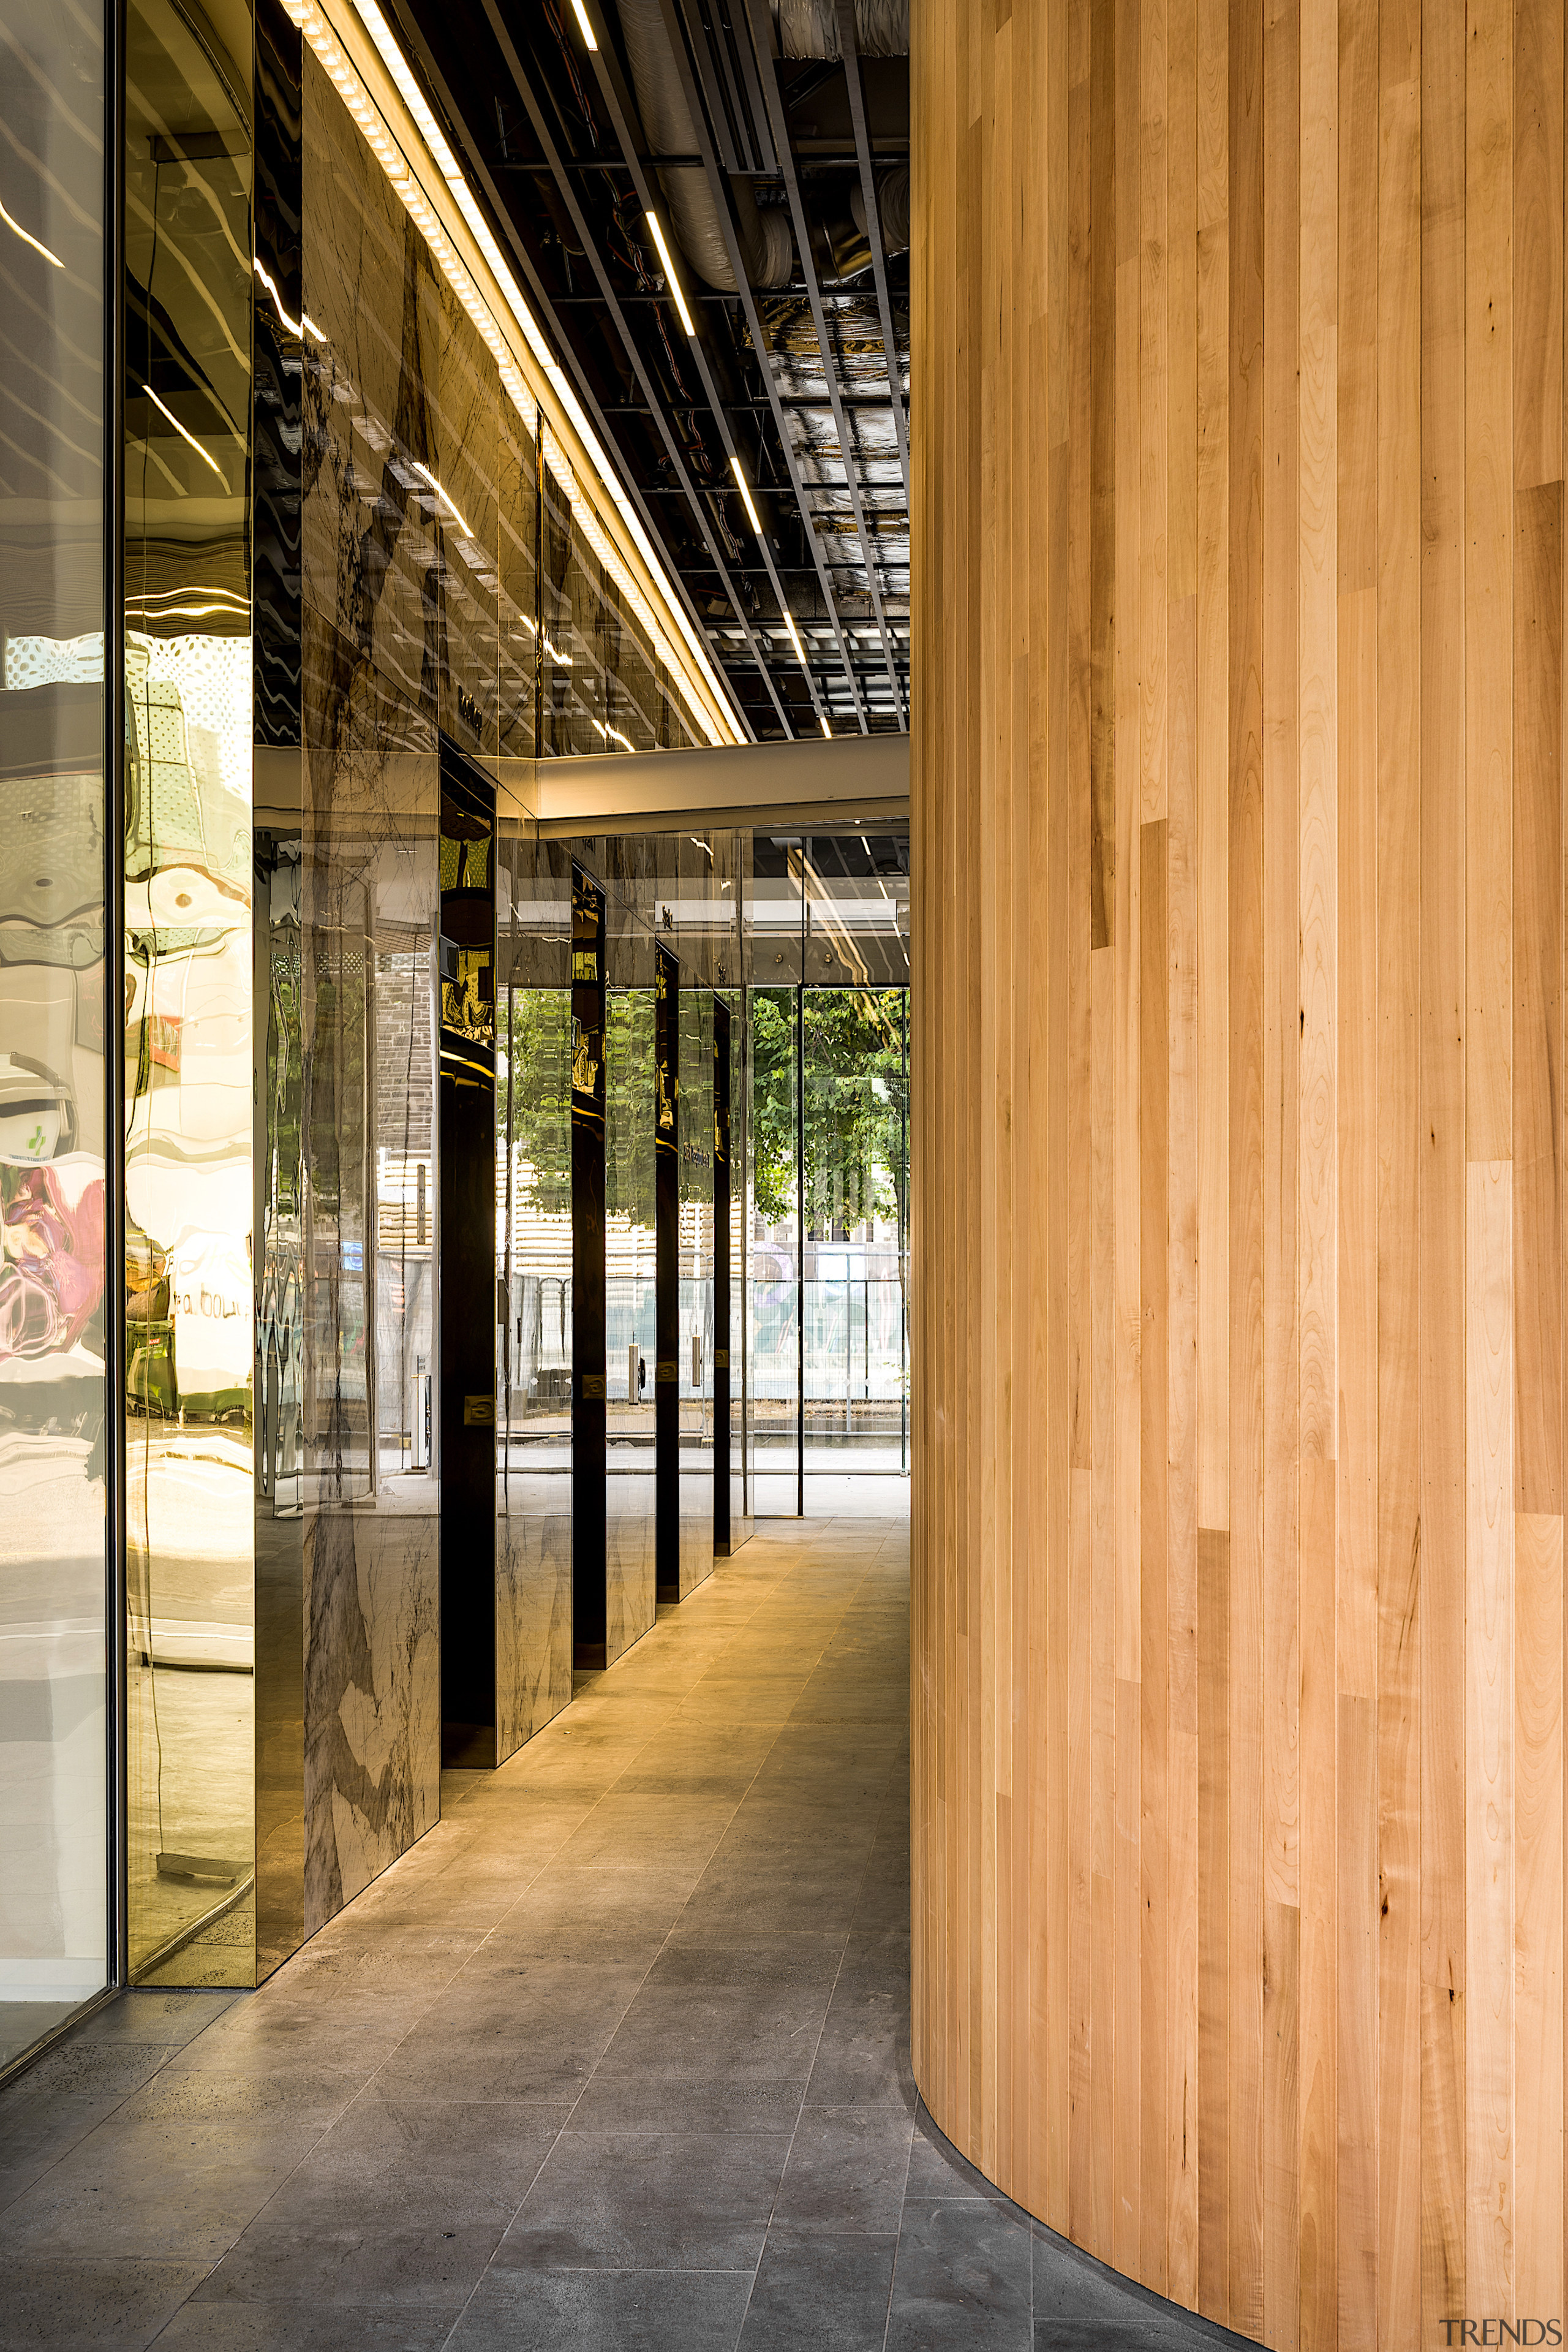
616 2060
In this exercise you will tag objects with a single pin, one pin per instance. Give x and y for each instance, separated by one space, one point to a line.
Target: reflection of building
188 1048
55 1422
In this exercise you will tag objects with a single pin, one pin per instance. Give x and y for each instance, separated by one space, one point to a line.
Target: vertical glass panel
773 1273
736 1338
694 1363
533 1227
856 1130
188 984
630 1330
55 1415
732 883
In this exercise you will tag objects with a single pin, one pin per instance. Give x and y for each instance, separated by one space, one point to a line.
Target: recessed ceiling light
671 280
746 498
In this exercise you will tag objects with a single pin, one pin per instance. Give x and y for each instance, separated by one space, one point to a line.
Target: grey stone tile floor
615 2060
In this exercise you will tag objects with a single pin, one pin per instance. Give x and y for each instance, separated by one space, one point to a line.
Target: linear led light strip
313 23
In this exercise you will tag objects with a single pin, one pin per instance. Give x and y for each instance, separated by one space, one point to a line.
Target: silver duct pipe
766 246
809 28
892 208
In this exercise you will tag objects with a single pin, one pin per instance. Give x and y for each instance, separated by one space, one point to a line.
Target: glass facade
57 1421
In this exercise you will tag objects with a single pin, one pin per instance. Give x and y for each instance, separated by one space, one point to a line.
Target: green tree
773 1102
534 1085
857 1106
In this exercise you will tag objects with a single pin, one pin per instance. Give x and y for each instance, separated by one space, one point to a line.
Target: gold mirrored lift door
188 980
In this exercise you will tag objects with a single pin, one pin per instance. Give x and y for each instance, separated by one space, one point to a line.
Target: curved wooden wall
1240 937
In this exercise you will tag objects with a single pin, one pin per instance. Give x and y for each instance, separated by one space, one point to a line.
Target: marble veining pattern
533 1605
373 1730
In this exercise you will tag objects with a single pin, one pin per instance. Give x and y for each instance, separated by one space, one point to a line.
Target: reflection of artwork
210 1307
51 1273
37 1117
467 1002
584 1059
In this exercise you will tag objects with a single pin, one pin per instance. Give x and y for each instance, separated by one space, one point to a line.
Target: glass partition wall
830 1206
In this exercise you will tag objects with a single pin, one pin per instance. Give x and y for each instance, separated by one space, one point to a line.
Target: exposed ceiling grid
769 140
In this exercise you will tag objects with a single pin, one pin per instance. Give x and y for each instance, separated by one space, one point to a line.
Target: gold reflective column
188 979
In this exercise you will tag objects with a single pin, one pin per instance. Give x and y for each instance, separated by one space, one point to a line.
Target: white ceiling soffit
863 777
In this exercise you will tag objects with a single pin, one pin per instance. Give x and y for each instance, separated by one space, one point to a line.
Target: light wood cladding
1241 948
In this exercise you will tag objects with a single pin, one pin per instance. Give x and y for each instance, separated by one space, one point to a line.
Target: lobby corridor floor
615 2060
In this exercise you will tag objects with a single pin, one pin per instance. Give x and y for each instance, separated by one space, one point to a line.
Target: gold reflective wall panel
57 1415
188 984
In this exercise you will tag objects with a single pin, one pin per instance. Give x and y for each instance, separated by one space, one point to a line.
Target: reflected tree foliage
857 1108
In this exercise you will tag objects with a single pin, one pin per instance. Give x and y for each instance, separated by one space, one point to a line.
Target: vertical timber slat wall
1239 933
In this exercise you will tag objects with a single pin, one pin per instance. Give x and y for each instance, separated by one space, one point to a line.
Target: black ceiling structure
769 141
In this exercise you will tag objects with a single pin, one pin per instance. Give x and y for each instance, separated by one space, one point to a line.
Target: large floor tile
863 2059
305 2327
962 2279
88 2303
166 2191
530 2029
38 2127
152 2014
605 2311
98 2067
339 2233
848 2169
820 2291
648 2200
709 2033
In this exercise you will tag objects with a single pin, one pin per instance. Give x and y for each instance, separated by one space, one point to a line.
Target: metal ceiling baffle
709 201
